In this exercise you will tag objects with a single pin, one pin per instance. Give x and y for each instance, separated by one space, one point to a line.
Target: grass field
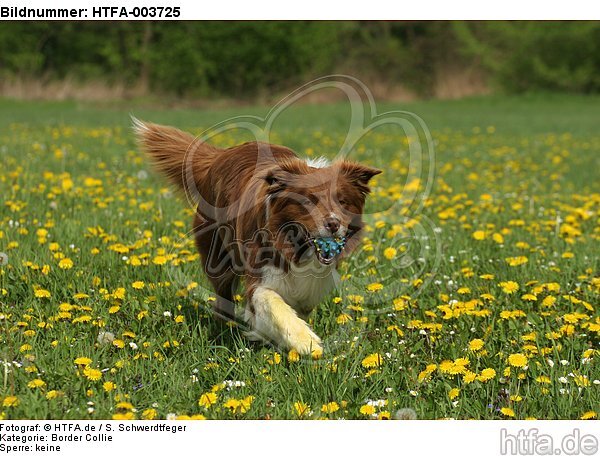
104 309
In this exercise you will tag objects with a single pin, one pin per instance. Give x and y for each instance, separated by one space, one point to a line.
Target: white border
350 9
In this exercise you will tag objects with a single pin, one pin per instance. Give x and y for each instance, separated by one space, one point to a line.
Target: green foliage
525 56
238 59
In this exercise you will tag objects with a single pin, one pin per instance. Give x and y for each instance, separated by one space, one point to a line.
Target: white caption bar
307 9
292 437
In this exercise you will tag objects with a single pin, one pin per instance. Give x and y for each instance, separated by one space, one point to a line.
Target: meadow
478 300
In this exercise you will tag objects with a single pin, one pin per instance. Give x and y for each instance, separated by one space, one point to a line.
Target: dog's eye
343 202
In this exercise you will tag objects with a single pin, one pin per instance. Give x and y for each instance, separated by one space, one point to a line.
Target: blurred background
254 61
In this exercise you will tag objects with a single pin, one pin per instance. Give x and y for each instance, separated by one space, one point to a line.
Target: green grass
521 173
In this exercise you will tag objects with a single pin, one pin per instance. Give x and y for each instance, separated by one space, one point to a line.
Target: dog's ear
358 174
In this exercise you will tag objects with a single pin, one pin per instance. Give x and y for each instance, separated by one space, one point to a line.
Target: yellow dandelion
65 263
373 360
36 383
302 409
53 394
367 409
119 293
486 374
342 319
517 360
159 260
476 345
149 414
374 287
390 253
82 361
207 400
498 238
453 393
92 374
10 401
41 293
507 412
138 285
293 356
479 235
591 415
469 377
509 287
516 261
330 407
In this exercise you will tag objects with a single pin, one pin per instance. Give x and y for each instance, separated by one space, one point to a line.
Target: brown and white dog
259 210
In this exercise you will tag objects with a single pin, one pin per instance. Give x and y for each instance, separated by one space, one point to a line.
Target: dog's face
307 203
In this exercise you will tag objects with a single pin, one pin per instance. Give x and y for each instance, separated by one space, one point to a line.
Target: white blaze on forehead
320 162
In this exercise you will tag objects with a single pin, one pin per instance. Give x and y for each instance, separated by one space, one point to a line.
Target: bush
526 56
238 59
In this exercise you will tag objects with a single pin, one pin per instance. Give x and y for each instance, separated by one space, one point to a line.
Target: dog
265 216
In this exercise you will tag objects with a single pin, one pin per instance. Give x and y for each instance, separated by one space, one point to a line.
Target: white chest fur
303 286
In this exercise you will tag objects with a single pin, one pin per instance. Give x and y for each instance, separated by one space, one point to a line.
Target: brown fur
247 195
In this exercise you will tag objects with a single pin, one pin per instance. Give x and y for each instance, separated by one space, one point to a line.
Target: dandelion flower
293 356
302 409
517 360
207 400
92 374
367 409
374 287
53 394
82 361
486 374
469 377
506 411
65 263
10 401
509 287
330 407
516 261
373 360
476 345
390 253
149 414
36 383
41 293
479 235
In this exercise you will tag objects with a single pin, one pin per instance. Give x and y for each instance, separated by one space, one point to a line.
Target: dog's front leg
272 319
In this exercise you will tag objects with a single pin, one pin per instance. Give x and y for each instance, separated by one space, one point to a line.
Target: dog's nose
332 224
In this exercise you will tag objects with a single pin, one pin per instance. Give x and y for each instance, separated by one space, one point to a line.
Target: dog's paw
303 340
276 321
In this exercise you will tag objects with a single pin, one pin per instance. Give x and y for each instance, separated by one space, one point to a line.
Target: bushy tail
176 154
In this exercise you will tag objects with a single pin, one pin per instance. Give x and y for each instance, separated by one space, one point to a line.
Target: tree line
243 59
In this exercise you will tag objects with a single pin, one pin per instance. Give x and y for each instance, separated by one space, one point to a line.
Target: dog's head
309 207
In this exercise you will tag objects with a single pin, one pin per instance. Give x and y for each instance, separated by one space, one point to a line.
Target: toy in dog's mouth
328 248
